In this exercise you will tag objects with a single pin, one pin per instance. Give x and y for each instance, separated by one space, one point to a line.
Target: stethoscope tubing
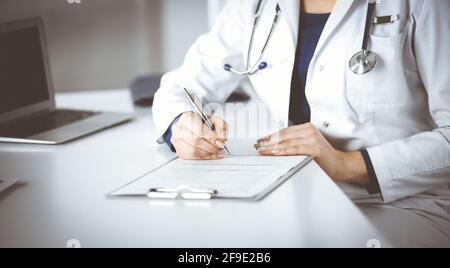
259 65
365 60
361 63
368 25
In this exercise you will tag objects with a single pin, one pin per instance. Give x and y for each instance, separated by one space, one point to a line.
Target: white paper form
233 177
242 147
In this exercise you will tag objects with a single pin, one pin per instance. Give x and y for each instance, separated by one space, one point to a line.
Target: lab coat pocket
383 87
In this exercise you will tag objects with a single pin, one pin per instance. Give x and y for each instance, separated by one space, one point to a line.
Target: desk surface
64 190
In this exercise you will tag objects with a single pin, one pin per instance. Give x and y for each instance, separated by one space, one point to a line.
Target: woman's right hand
193 140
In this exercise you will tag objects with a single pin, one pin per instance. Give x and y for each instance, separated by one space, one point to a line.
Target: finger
289 143
297 127
194 123
285 146
299 131
221 127
272 137
200 143
286 135
185 150
299 149
188 152
201 130
218 136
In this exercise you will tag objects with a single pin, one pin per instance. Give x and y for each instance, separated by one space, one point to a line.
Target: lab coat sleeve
202 70
422 162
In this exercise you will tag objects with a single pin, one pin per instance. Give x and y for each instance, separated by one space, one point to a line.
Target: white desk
63 196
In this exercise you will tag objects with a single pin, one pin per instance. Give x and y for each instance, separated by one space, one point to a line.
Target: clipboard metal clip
183 192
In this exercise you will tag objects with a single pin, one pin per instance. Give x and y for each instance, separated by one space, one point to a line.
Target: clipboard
159 184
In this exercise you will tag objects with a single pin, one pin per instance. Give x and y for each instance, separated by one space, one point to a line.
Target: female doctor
361 85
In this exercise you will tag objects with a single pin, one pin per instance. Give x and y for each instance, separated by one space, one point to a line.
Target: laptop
27 100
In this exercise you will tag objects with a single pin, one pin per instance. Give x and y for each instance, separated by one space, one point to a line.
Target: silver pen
198 107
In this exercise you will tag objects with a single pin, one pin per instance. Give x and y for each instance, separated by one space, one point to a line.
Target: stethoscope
361 63
365 60
259 65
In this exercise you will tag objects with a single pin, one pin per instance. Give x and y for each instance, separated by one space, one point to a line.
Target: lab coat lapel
340 10
290 9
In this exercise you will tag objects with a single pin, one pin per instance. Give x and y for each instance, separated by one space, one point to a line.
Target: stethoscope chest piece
363 62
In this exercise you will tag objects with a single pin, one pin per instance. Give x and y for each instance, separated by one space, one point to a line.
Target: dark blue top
310 30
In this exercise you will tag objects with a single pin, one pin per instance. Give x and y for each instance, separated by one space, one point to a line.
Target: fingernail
276 151
221 154
220 144
223 134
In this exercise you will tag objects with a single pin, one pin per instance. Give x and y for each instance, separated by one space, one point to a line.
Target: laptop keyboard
41 123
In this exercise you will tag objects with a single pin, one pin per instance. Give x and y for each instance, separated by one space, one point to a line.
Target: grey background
104 44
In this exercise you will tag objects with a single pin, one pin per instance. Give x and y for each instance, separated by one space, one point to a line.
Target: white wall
96 44
102 44
183 21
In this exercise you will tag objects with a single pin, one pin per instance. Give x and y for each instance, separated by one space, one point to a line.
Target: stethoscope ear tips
263 65
227 67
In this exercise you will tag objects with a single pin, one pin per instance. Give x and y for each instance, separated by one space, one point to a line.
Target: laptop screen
23 79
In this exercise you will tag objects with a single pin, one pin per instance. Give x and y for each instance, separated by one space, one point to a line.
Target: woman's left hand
308 140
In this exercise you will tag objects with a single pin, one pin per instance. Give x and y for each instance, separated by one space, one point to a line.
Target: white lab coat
400 111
